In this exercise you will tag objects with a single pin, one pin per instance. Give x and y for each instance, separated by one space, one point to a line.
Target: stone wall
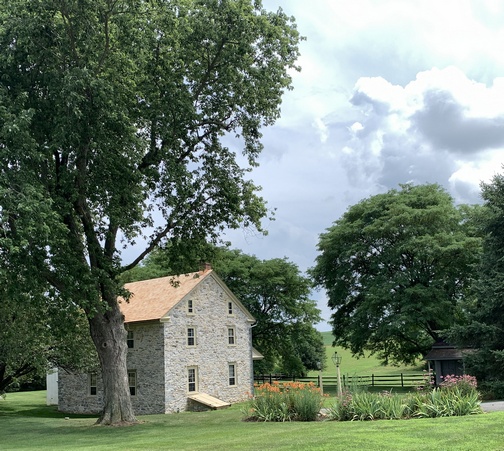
161 357
146 358
74 396
211 355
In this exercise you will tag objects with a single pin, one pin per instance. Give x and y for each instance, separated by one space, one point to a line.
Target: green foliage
395 268
457 397
464 384
37 332
290 401
484 330
277 295
446 403
111 119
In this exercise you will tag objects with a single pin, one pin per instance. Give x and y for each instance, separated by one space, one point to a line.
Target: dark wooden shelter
445 359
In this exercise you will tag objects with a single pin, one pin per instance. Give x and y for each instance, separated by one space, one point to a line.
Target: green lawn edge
28 424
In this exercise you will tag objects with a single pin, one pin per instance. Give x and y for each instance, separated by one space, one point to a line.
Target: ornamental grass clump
363 405
457 396
290 401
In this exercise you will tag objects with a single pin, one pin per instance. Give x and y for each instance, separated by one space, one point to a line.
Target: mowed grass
360 366
26 423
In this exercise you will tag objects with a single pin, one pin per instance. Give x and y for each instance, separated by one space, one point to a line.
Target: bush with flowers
465 384
289 401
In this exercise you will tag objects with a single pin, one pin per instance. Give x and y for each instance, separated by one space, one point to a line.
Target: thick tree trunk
109 337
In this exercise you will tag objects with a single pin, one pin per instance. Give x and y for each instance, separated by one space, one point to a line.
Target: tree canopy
274 291
36 334
112 114
395 268
483 332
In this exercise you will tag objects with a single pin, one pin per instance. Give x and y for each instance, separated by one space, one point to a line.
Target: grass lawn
26 423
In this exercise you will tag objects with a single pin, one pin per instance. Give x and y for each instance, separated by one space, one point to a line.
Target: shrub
291 401
492 389
370 406
341 410
466 384
457 396
447 402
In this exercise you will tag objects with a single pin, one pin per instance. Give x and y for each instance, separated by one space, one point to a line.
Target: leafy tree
36 333
274 291
111 118
484 329
395 268
277 295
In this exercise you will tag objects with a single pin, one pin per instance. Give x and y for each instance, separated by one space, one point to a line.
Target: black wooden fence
373 380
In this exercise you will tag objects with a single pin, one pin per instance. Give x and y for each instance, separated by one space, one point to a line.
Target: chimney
205 266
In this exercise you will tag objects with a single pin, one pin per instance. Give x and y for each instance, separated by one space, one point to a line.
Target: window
192 379
230 308
93 383
132 382
190 307
231 336
191 336
232 374
130 339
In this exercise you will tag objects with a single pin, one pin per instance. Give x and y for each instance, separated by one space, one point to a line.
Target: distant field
364 366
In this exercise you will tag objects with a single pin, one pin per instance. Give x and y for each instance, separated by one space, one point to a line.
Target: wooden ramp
209 401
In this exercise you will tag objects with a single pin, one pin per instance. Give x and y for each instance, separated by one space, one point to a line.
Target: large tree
274 291
483 332
111 119
395 268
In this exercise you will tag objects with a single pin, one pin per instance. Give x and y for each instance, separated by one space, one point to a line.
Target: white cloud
391 91
440 113
321 128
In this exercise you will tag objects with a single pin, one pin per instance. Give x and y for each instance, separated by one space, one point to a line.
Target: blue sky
390 92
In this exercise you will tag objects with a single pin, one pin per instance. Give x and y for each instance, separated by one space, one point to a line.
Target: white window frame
232 374
130 339
93 384
190 337
132 382
231 335
192 379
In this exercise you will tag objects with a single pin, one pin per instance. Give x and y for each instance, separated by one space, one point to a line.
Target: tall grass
290 401
457 397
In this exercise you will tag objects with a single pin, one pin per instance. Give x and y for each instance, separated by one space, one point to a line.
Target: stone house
190 348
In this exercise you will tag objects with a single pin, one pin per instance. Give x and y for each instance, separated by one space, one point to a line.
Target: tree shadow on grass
36 411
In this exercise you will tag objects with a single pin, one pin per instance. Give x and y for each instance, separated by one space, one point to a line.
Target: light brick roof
153 299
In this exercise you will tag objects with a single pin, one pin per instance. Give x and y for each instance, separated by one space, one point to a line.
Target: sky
390 92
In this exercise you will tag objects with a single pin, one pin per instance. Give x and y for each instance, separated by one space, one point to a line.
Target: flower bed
290 401
456 396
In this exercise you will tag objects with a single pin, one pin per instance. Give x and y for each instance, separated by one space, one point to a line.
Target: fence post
372 380
402 380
